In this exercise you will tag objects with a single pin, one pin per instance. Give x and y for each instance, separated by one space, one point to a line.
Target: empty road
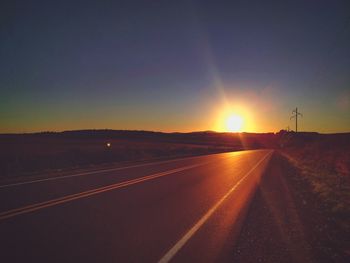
184 210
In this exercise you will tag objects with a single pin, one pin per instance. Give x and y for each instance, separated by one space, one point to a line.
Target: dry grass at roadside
324 162
331 186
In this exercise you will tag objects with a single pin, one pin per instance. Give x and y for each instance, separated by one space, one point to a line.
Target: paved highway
184 210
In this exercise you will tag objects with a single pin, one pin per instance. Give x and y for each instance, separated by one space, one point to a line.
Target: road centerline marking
100 171
71 197
181 242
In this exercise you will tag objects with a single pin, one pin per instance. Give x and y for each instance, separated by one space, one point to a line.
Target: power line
296 114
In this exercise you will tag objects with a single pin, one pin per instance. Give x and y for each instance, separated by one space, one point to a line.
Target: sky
174 65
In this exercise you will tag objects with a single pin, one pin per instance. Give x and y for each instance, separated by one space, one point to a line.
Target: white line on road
96 172
172 252
67 198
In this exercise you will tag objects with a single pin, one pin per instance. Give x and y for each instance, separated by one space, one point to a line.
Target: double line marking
68 198
94 172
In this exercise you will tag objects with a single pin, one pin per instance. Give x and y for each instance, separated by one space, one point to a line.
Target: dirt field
25 154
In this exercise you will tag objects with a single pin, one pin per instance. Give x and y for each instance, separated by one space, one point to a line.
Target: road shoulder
284 223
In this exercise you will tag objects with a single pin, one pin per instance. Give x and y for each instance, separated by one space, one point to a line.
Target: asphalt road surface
184 210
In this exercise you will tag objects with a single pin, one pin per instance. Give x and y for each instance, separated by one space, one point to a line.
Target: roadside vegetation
323 165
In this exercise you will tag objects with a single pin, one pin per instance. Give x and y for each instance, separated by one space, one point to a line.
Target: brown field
27 154
323 164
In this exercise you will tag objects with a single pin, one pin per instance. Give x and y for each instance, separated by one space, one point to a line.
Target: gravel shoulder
286 222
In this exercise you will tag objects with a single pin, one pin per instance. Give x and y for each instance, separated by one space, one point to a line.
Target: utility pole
295 114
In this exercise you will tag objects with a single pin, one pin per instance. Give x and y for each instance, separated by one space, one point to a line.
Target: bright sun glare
234 123
235 118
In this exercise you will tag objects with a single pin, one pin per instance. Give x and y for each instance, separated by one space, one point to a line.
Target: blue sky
170 65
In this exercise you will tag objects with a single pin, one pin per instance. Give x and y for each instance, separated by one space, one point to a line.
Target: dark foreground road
186 210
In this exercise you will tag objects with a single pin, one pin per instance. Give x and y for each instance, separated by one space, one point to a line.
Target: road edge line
182 241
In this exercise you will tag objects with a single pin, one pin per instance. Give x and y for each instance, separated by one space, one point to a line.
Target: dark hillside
31 153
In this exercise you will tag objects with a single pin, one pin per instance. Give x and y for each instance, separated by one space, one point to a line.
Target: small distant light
108 144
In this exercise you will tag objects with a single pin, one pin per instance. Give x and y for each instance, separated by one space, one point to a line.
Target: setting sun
234 123
234 118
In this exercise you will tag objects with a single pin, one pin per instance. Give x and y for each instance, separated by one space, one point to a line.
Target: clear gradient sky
174 65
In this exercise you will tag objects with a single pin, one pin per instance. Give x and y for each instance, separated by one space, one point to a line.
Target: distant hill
205 137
